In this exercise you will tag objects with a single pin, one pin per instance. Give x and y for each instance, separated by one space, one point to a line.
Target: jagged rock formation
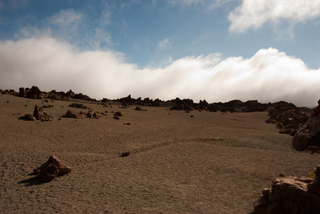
287 116
309 134
33 93
40 114
51 169
290 194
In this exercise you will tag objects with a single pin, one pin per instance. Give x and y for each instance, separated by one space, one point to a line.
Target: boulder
21 92
309 134
51 169
118 113
28 117
34 93
93 115
290 194
71 114
78 105
288 117
40 114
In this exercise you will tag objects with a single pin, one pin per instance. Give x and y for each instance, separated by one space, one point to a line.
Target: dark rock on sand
34 93
71 114
28 117
287 116
40 114
309 134
51 169
78 105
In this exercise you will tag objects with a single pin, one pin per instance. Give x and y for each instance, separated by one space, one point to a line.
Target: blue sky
216 50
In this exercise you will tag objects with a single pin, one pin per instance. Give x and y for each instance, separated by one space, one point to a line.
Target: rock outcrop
93 115
40 114
33 93
287 116
51 169
291 194
309 134
71 114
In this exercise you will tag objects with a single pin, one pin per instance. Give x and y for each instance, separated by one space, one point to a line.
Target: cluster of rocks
139 101
287 116
231 106
303 126
291 194
117 115
38 114
51 169
308 136
35 93
89 114
78 105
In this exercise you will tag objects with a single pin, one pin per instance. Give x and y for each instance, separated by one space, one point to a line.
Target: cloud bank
269 75
254 13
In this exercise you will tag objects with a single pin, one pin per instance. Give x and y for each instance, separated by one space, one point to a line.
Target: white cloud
269 75
254 13
164 44
67 18
185 2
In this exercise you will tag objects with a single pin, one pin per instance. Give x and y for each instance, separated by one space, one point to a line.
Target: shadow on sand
32 181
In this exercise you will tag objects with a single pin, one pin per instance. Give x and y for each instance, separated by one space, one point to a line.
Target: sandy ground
197 162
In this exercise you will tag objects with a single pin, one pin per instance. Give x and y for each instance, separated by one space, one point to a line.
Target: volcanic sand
197 162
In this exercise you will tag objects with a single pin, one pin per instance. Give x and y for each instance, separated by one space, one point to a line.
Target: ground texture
197 162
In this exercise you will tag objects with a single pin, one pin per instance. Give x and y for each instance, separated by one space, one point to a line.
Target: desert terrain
196 162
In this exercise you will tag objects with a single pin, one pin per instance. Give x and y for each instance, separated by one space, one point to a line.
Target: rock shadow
31 181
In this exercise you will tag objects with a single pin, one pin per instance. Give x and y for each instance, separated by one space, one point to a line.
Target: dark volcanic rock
34 93
309 134
51 169
288 117
93 115
71 114
78 105
28 117
22 92
40 114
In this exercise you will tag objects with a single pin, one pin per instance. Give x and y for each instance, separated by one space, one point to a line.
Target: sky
217 50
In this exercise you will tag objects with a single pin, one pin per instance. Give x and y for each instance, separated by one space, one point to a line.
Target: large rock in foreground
51 169
290 194
309 134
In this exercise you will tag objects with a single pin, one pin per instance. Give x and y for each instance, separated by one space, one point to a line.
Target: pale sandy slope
208 163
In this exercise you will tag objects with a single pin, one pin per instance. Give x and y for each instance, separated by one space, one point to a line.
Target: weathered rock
40 114
78 105
118 113
288 117
93 115
138 108
21 92
288 194
34 93
71 114
51 169
28 117
309 134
